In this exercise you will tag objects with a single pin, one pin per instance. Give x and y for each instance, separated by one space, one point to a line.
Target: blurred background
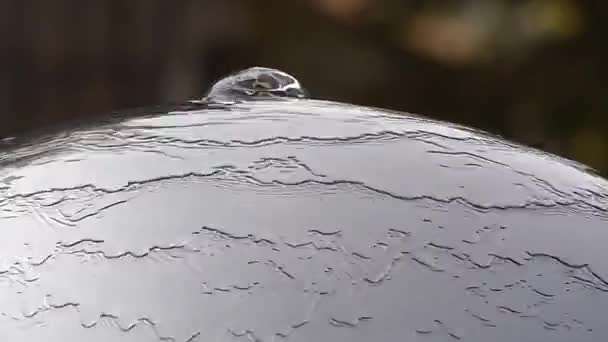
534 71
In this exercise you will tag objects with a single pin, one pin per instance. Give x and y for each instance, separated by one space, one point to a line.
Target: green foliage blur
533 71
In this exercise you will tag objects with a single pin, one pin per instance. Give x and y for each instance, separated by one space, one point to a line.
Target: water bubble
255 83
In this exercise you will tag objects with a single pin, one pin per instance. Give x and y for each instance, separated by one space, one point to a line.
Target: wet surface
297 220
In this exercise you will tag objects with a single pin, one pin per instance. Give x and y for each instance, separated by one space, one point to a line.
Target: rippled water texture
297 221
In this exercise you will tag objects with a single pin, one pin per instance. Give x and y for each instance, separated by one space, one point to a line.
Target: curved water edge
297 220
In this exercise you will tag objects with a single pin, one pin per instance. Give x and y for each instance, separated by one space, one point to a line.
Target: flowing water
296 220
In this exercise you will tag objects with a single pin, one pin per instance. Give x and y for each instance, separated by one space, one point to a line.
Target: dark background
534 71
